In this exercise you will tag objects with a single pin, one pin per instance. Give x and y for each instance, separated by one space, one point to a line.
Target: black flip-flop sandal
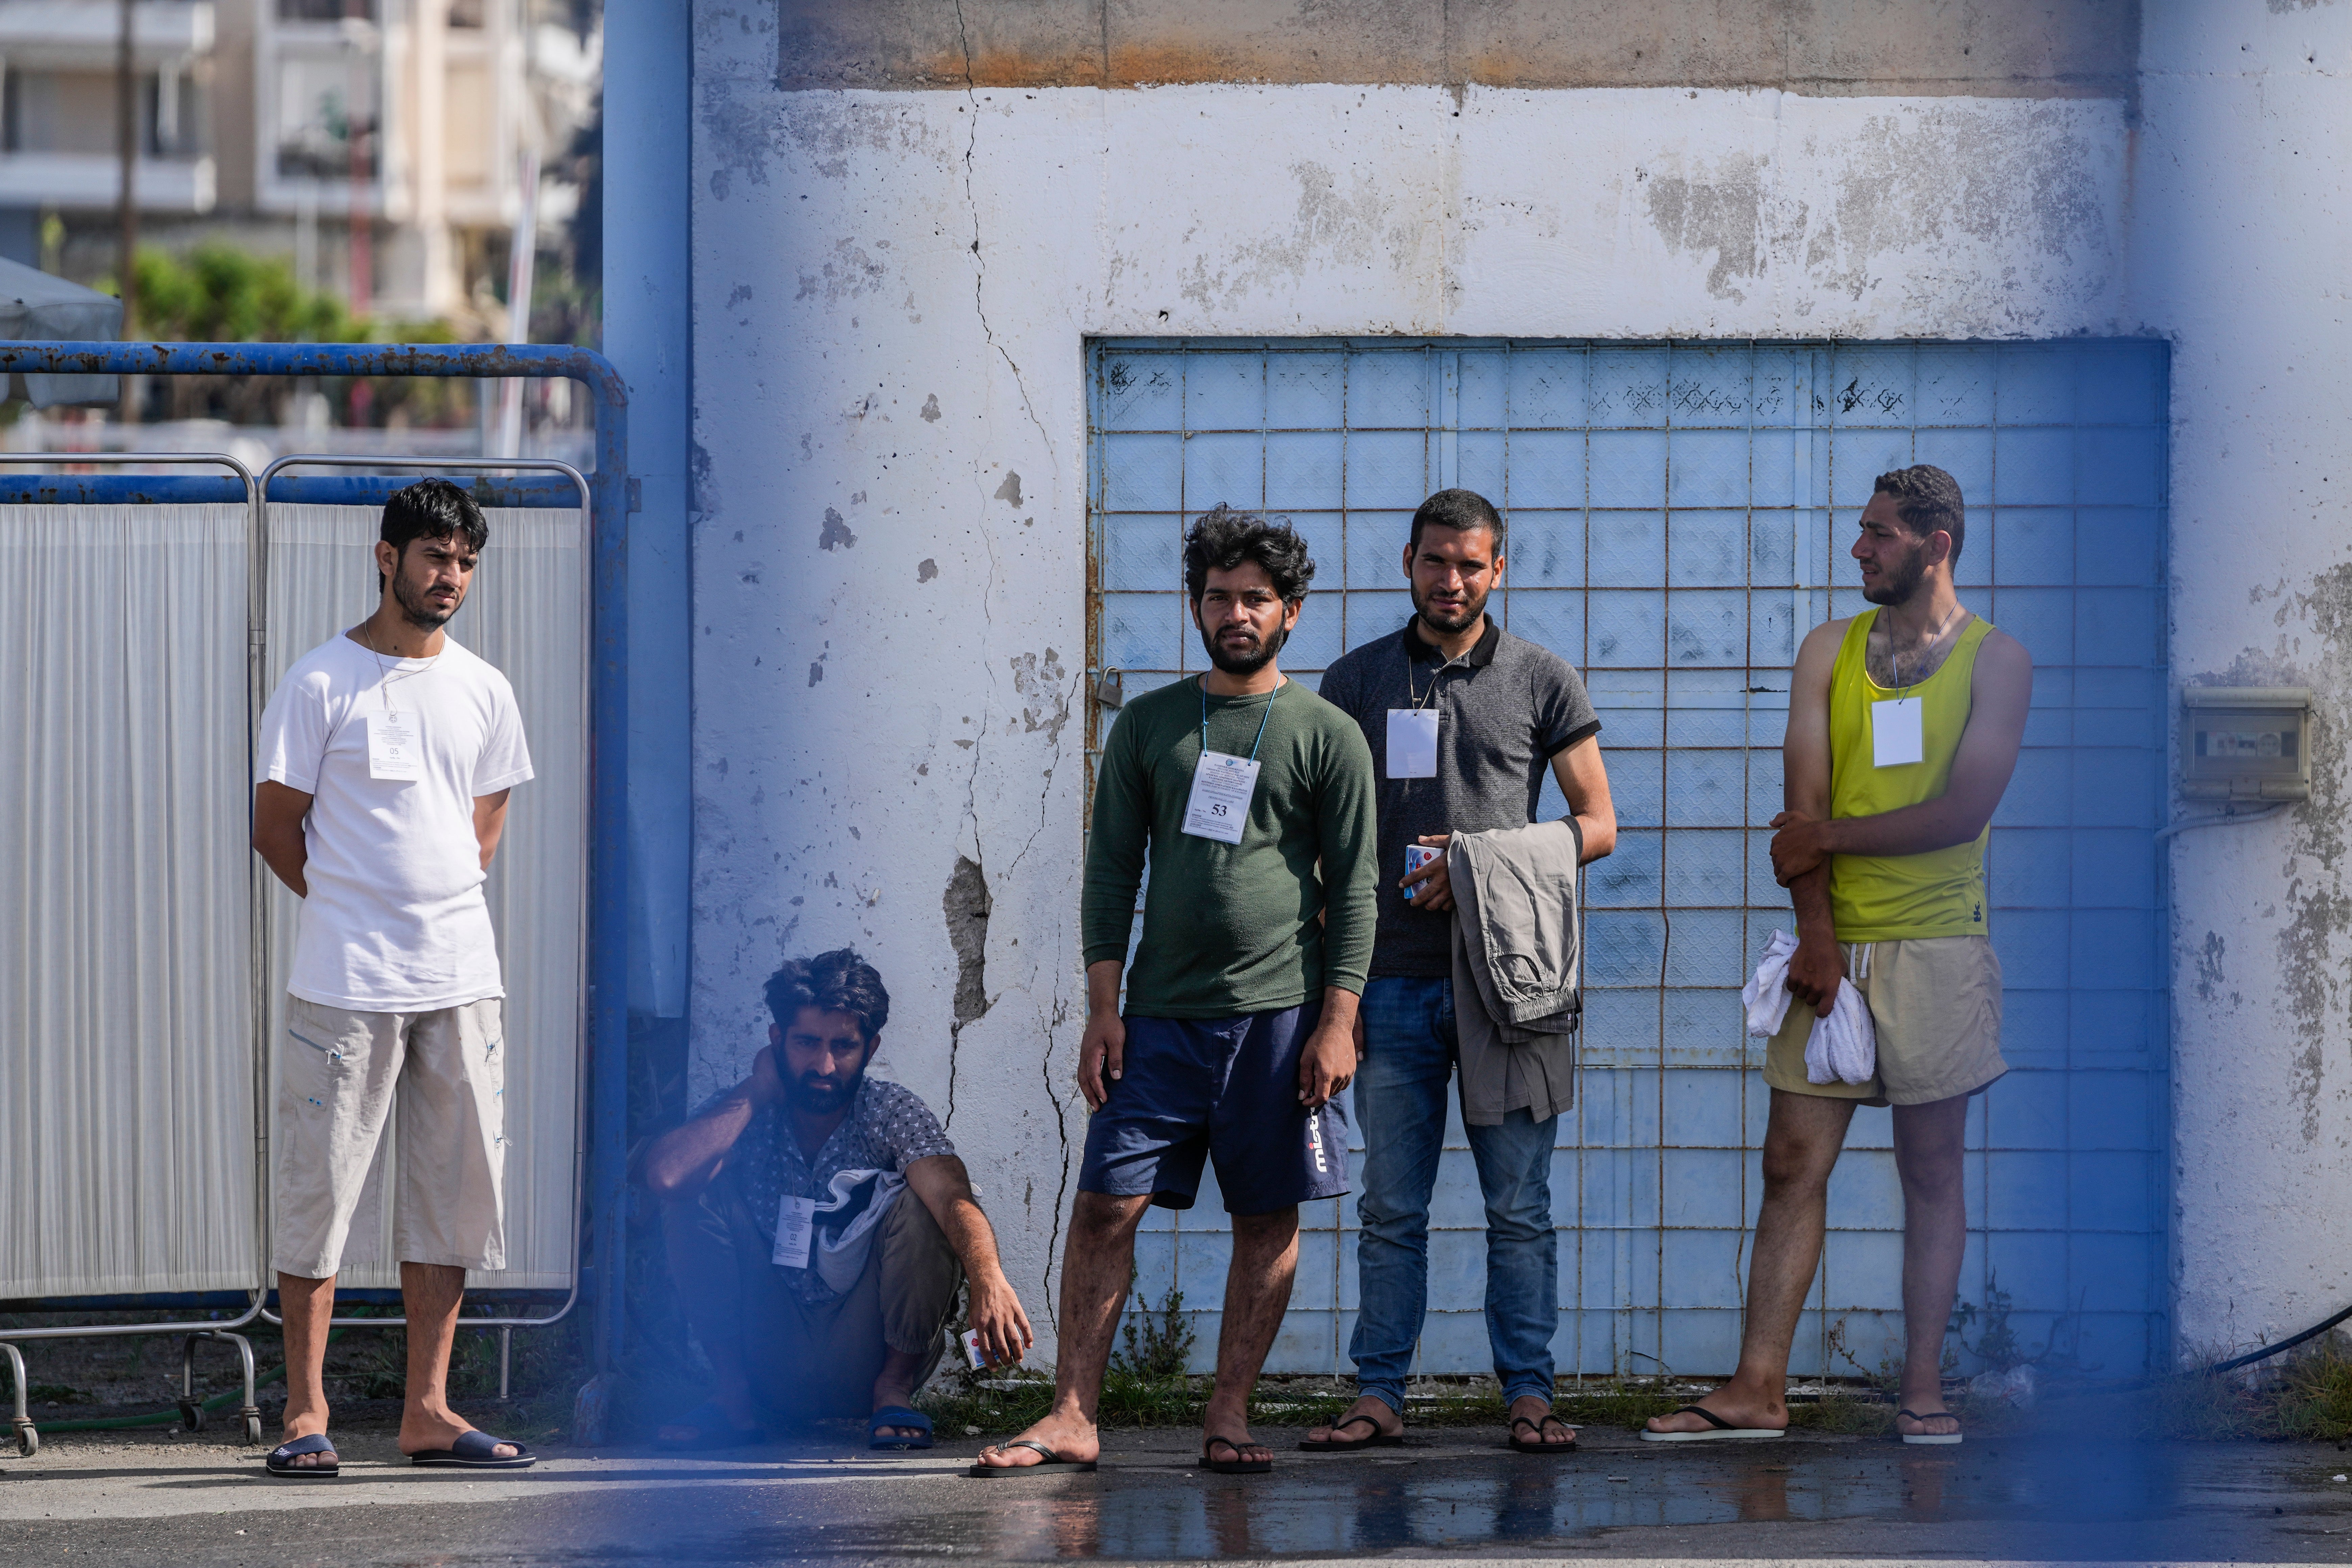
478 1450
278 1463
1538 1446
1236 1466
1379 1439
1048 1461
1934 1439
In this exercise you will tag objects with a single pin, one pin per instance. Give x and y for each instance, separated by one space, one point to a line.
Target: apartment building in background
382 145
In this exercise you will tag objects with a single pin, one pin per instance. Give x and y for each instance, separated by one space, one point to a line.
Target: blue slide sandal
477 1451
897 1415
278 1464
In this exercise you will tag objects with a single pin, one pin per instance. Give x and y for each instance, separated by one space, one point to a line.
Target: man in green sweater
1252 799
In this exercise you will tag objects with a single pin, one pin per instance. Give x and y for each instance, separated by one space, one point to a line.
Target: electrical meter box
2245 743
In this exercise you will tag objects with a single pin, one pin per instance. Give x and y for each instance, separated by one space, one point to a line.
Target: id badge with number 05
1219 807
393 751
1897 736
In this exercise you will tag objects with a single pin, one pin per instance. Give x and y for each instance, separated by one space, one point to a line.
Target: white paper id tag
795 1220
1896 736
392 752
1220 803
1413 743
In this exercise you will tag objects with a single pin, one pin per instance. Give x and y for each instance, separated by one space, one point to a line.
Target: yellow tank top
1890 898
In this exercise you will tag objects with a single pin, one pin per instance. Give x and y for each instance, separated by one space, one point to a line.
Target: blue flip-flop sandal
280 1462
897 1415
477 1451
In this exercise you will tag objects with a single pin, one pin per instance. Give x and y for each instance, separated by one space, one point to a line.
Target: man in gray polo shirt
1463 719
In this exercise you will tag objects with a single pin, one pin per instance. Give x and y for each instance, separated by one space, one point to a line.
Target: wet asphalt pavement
1451 1495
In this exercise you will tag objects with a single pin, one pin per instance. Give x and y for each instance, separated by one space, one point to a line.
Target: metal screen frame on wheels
505 1326
28 1436
598 1156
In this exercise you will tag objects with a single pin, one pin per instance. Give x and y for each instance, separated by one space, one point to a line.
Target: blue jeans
1408 1050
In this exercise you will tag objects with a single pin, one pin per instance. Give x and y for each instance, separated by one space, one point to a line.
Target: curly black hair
837 982
1927 499
1223 538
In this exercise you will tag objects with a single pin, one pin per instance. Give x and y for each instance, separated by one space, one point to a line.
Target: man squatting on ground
386 757
750 1190
1252 798
1881 849
1493 712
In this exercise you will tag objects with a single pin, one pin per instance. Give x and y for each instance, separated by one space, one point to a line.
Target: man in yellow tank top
1903 728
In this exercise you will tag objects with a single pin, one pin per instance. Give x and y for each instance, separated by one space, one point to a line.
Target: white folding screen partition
527 615
126 982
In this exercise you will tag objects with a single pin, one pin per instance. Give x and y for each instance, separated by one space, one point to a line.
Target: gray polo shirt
1505 710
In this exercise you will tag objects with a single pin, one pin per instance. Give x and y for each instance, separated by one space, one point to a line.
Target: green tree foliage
217 294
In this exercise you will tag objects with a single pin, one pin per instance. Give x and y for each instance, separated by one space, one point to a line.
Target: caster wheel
252 1431
28 1441
192 1416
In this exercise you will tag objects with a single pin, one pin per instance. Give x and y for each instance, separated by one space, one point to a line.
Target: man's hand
1432 887
1800 846
766 1084
997 1318
1814 971
1102 1056
1327 1063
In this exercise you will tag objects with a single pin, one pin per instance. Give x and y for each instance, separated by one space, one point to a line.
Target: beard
1257 654
1439 621
419 611
1895 585
817 1094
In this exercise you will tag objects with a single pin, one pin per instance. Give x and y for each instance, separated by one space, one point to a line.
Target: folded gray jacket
1517 950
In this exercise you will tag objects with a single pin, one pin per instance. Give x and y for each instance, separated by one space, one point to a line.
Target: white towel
1841 1046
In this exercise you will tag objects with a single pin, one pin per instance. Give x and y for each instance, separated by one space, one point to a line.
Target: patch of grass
2307 1396
58 1394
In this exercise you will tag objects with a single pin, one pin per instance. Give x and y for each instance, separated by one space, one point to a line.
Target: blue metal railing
608 635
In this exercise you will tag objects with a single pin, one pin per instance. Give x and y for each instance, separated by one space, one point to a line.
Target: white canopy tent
35 308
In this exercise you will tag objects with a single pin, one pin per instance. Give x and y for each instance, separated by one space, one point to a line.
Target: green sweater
1230 929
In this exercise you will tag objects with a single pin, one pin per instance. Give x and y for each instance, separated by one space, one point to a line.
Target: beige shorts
1935 1003
338 1074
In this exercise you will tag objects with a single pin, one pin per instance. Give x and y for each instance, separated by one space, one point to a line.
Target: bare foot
1735 1404
422 1432
1352 1431
1068 1435
1542 1426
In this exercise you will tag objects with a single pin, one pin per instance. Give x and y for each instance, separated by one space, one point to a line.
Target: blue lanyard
1200 684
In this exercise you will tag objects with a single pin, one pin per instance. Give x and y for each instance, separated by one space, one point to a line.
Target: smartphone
1415 858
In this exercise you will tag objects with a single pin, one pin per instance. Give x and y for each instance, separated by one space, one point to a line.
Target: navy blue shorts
1226 1090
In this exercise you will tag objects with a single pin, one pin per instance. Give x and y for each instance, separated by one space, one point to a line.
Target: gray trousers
807 1360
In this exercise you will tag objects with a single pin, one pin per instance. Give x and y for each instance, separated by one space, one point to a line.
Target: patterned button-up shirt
888 1127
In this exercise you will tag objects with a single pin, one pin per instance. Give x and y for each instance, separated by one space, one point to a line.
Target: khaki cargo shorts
1935 1003
338 1075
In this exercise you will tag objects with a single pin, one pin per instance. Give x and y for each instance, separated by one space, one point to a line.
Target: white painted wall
892 291
2241 233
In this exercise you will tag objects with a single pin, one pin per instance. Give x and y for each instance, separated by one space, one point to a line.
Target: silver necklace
387 673
1927 646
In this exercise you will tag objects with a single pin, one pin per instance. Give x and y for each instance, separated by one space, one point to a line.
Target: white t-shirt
395 922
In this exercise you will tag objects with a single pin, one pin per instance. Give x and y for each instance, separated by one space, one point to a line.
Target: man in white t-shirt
386 757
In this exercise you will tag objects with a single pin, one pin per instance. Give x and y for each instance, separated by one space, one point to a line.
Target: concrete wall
2239 232
891 292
